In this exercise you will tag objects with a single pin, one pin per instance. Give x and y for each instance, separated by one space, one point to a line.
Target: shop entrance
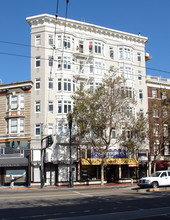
112 173
50 174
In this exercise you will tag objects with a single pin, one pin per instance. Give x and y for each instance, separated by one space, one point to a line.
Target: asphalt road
105 203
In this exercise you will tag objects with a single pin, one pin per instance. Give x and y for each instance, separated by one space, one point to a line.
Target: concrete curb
154 189
65 188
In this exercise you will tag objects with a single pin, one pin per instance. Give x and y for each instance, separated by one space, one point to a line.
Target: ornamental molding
51 21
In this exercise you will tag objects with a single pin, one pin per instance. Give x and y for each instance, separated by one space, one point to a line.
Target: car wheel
155 185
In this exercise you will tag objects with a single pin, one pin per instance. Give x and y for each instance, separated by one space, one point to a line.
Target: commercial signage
110 154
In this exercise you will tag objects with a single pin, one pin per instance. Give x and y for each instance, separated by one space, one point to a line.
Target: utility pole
42 158
70 118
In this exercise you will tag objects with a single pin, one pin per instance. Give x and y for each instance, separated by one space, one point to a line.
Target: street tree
99 113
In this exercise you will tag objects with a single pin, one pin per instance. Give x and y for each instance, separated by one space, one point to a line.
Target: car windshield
156 174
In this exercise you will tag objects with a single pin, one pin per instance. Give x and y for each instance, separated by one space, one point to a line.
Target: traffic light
13 144
49 140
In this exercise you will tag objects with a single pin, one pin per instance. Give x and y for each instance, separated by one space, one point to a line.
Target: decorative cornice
46 19
25 85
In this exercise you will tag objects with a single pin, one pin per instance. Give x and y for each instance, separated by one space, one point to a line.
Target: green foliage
99 112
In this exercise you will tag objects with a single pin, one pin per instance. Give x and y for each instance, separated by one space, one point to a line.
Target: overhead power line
59 49
30 57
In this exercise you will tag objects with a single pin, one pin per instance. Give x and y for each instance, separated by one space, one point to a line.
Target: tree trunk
154 166
102 173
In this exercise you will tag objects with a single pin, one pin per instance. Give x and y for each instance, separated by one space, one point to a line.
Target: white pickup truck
159 178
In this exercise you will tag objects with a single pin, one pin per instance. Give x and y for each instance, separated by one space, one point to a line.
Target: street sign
23 144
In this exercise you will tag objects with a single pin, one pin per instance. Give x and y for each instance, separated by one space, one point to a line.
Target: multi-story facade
159 122
15 134
66 53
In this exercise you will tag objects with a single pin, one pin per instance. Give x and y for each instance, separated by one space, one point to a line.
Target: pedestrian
11 181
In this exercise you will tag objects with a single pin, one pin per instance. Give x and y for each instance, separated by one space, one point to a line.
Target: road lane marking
83 194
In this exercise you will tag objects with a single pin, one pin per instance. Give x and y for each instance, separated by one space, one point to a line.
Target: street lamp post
70 118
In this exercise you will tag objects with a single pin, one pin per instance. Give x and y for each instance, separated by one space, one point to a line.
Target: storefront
116 169
15 168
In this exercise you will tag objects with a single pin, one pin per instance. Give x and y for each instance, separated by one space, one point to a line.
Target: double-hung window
37 83
37 106
91 66
67 42
141 94
67 85
14 102
67 63
21 125
38 40
139 57
50 61
59 41
50 106
59 85
139 75
67 106
154 93
50 83
81 46
59 106
14 125
50 40
22 101
97 47
37 129
98 67
111 52
59 62
37 61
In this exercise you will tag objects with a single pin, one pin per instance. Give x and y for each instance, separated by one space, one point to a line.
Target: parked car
159 178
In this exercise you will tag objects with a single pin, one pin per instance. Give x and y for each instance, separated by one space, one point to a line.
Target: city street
90 203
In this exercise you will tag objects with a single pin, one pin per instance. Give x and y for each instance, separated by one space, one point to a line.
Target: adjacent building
159 122
15 134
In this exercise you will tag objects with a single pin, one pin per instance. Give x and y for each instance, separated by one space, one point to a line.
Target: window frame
37 61
37 106
38 40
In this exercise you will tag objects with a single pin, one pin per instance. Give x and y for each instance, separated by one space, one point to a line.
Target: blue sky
150 17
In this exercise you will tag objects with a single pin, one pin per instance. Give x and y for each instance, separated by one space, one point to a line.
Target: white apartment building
64 54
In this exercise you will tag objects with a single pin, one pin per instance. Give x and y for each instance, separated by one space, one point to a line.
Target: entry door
50 175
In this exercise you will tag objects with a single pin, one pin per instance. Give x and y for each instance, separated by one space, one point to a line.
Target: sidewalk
76 187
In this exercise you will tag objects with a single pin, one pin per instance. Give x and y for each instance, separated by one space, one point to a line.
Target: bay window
15 126
126 53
